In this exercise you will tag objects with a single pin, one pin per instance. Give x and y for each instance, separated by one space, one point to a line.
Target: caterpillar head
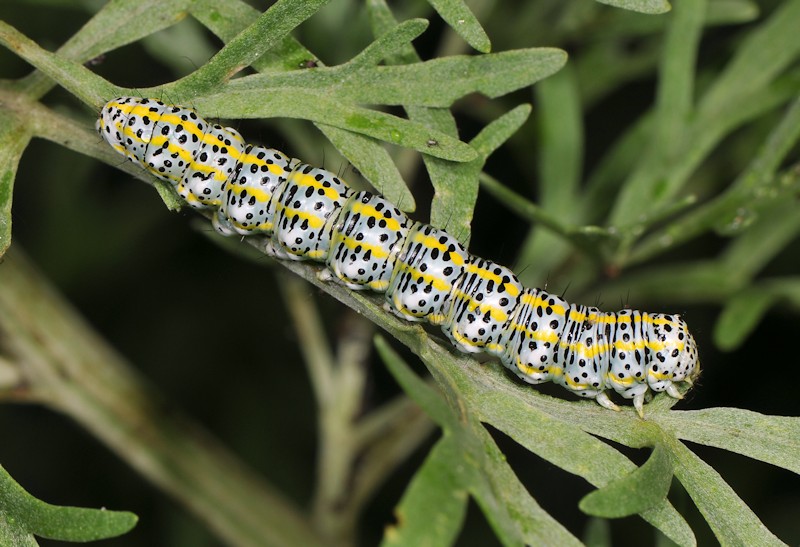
689 365
675 354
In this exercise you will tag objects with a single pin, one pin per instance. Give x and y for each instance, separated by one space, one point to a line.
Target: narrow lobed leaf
315 106
76 78
741 315
726 12
387 45
420 84
464 22
434 505
650 186
638 491
552 428
27 513
478 466
767 51
14 138
494 135
374 163
732 521
642 6
772 439
240 52
757 187
115 25
227 18
559 167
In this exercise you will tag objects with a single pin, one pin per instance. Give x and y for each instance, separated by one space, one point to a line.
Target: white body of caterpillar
425 274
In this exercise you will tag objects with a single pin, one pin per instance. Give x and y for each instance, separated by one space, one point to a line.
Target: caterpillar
366 242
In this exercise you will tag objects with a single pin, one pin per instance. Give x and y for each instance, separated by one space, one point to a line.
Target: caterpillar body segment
212 165
427 269
247 206
306 207
368 236
365 242
481 304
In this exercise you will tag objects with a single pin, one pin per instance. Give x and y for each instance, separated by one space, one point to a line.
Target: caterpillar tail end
603 400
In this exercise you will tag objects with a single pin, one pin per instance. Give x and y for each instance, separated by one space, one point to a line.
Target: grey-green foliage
22 516
637 204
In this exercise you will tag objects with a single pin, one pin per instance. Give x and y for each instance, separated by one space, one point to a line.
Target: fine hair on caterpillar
366 242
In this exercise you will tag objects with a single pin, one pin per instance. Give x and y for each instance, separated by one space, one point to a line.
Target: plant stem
338 386
356 453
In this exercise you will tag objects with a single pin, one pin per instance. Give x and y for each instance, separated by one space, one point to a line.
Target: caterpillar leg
638 403
603 400
672 391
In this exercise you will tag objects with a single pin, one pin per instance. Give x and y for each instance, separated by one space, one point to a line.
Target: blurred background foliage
141 275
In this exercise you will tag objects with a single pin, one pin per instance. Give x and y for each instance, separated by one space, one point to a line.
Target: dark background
108 243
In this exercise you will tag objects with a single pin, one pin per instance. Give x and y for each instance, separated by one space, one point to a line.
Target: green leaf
118 23
461 191
240 52
374 163
635 492
771 439
464 22
13 536
598 533
14 138
392 42
419 84
559 435
434 504
477 466
740 317
766 52
494 135
227 18
765 227
552 428
560 166
731 520
642 6
650 185
455 187
74 77
750 85
724 12
317 106
23 514
756 188
560 149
